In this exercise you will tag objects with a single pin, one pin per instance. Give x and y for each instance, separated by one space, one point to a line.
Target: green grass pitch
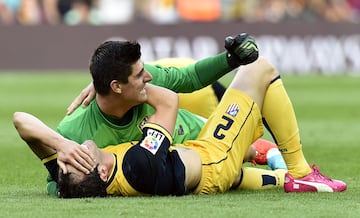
328 112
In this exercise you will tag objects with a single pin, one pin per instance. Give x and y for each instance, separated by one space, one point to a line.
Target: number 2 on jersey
219 127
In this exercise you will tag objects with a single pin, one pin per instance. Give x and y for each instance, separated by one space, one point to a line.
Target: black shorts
159 174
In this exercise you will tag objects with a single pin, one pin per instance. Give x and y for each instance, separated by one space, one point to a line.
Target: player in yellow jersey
182 164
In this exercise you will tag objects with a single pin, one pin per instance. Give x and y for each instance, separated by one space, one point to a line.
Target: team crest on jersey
233 110
152 140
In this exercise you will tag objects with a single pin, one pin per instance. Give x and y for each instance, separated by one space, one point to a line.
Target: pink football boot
314 182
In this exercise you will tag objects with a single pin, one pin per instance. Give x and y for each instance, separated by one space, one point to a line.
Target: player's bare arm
42 138
165 103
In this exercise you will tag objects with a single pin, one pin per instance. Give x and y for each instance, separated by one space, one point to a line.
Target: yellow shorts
224 141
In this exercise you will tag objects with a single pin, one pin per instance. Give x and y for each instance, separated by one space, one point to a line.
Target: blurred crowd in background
113 12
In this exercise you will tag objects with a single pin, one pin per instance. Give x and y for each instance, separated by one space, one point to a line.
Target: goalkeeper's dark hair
91 186
112 60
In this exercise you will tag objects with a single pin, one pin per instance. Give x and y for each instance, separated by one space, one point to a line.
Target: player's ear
103 172
115 86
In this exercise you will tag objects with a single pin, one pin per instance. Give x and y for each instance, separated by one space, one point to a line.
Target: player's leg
233 127
260 179
247 90
253 80
224 141
279 118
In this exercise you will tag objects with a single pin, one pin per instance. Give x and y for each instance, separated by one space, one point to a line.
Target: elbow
175 99
17 117
172 101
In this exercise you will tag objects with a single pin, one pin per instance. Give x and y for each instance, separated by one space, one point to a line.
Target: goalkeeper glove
242 50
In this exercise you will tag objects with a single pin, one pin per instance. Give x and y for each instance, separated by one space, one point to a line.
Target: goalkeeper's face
134 91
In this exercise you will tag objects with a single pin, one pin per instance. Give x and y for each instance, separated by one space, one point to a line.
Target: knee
267 68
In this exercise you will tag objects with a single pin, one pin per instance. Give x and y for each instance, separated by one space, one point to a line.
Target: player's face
134 90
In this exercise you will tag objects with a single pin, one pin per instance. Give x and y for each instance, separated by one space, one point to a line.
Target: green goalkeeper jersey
91 123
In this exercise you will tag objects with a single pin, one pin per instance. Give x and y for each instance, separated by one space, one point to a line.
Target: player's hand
242 50
84 98
79 156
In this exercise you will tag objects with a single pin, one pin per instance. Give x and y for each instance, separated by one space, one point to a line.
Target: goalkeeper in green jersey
119 76
125 110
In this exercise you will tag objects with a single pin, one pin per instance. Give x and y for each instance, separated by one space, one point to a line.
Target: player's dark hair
91 186
113 60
